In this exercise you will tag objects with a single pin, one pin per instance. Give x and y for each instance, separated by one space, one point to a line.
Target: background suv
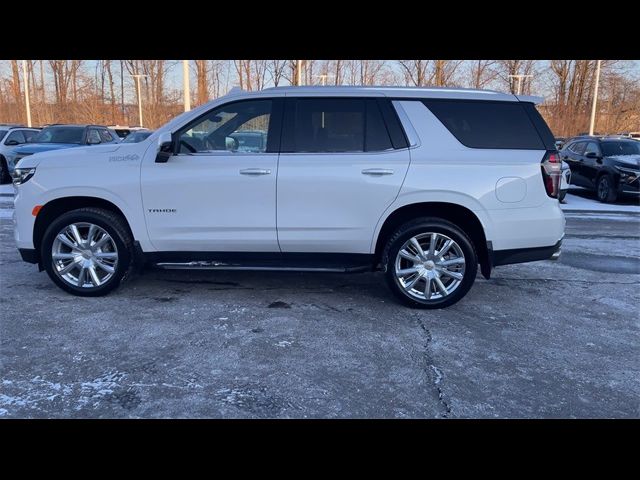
425 184
608 165
10 137
56 137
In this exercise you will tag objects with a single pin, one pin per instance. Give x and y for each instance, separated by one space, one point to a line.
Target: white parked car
423 183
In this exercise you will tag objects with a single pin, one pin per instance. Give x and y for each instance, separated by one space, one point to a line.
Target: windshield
136 137
611 149
3 133
60 135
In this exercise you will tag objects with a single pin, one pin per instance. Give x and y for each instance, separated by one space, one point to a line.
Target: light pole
185 85
592 122
26 92
298 72
138 77
520 77
323 78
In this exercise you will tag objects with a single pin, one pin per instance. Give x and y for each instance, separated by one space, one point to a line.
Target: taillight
551 171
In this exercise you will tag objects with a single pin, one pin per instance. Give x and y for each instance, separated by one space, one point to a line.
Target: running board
207 265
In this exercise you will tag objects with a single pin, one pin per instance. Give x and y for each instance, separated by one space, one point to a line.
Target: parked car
423 183
57 137
559 143
124 131
137 136
608 165
11 135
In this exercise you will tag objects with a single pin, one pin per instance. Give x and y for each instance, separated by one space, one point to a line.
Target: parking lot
545 339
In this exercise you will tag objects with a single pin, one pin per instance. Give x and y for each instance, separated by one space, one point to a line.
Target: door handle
255 171
377 172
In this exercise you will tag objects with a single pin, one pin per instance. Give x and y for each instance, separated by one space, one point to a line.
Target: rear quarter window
491 125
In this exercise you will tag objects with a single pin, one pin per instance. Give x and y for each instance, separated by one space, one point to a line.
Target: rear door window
332 125
578 147
484 124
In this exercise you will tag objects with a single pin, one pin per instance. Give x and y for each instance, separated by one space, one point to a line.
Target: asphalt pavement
539 340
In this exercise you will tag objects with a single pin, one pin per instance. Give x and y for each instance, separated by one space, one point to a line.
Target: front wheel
87 252
430 263
606 189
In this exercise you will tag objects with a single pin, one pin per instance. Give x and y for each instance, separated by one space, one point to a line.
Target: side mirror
592 155
12 142
165 147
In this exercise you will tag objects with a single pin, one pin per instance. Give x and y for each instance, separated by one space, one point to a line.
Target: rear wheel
430 263
87 252
606 189
4 171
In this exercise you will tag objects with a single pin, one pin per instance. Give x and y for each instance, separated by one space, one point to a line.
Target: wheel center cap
429 265
87 254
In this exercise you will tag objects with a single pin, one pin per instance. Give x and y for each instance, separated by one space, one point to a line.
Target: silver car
10 137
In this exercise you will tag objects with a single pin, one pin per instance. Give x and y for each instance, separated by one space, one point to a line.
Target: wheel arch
455 213
58 206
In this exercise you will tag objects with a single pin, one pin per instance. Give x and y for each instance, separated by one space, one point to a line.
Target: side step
212 265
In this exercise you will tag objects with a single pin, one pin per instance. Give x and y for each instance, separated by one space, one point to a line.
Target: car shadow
625 199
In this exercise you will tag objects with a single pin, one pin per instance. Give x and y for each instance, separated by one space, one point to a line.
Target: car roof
599 138
396 92
10 126
81 125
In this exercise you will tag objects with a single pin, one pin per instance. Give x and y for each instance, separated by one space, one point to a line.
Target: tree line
103 91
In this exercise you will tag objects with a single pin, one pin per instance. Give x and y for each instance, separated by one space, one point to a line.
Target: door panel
591 166
337 174
219 192
327 204
575 160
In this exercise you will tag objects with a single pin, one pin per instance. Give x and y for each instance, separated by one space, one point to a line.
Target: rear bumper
522 255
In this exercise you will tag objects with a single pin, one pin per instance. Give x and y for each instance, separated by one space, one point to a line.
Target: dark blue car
56 137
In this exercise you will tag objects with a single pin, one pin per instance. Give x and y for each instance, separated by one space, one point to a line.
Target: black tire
4 171
606 189
425 225
114 225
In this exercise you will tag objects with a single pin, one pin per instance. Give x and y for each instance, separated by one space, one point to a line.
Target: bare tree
202 81
276 70
415 71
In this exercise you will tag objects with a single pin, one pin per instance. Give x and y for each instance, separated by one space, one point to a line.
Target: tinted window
16 135
325 125
376 137
60 135
610 149
2 134
578 147
30 134
106 136
93 136
136 137
479 124
235 127
592 147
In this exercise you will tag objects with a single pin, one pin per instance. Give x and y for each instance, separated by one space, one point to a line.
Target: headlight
627 171
21 175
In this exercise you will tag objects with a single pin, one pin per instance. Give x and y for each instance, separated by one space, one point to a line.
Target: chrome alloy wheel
430 266
84 255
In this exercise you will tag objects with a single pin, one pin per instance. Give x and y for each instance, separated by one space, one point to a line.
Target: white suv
423 183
